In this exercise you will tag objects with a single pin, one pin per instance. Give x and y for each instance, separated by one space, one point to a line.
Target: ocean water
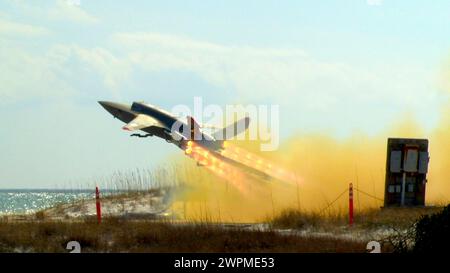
29 200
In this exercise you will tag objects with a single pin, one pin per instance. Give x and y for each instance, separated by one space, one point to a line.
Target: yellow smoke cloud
439 177
324 167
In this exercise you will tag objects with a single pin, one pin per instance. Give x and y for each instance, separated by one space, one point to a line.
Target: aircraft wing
233 129
141 121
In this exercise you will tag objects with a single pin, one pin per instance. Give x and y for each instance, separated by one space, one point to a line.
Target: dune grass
41 233
397 218
116 235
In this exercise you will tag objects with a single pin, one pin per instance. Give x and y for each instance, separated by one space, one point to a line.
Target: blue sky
338 66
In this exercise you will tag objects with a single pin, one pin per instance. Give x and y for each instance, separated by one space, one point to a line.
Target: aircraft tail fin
232 130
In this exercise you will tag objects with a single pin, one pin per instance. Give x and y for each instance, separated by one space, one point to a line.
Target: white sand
133 206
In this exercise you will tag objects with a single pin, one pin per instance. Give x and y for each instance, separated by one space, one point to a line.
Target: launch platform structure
406 172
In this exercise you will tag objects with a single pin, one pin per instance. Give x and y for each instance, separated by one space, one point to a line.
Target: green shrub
432 232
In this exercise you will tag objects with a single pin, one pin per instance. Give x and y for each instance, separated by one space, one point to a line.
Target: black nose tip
107 104
102 103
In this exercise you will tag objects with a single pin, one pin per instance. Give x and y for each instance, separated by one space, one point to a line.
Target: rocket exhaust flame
258 163
235 176
214 164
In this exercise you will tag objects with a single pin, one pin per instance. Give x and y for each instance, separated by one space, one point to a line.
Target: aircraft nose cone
111 107
104 104
114 108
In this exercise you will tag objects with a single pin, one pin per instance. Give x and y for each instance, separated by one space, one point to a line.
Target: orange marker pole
98 205
350 205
